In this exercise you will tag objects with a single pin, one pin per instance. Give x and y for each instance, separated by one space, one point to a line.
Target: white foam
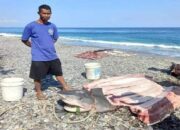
123 43
10 35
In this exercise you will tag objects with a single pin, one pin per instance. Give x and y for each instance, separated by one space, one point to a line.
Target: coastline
15 61
159 41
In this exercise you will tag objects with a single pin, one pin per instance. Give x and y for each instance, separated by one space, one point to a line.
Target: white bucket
93 71
12 89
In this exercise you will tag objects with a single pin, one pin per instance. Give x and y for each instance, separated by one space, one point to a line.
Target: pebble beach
31 114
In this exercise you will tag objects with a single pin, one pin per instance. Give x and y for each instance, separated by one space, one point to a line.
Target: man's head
44 12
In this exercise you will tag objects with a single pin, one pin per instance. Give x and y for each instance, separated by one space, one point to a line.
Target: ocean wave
123 43
10 35
116 30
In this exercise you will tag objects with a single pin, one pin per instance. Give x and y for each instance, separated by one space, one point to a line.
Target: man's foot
67 88
41 96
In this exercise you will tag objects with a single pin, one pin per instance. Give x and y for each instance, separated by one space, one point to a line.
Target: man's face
45 14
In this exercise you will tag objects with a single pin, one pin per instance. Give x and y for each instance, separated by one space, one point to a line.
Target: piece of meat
139 98
92 55
109 81
155 109
149 100
134 87
158 109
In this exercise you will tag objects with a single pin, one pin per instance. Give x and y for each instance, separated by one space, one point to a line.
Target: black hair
44 6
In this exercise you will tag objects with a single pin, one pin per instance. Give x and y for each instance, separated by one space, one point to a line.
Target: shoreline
70 42
15 60
113 46
128 51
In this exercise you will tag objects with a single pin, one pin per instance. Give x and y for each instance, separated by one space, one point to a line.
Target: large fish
83 101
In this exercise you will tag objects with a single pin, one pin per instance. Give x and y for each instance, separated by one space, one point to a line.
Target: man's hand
27 42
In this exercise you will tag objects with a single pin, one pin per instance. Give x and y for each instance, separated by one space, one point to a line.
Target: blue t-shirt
42 37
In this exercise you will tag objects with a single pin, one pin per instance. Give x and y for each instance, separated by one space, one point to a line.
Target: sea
157 41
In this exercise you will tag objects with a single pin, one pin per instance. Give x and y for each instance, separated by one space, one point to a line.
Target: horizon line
105 27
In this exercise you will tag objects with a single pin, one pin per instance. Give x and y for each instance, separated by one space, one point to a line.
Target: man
41 35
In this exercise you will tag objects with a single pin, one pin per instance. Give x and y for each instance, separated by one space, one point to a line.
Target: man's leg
63 83
56 69
38 90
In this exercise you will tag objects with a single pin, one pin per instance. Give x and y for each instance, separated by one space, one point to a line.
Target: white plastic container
12 88
93 70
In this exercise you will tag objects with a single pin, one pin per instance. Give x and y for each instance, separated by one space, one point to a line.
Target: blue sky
94 13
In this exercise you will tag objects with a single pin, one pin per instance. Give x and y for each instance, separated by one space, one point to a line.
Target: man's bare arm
27 43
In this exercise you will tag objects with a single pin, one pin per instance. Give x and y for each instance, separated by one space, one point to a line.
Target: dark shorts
39 69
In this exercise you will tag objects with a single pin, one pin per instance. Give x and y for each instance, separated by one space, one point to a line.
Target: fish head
77 99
